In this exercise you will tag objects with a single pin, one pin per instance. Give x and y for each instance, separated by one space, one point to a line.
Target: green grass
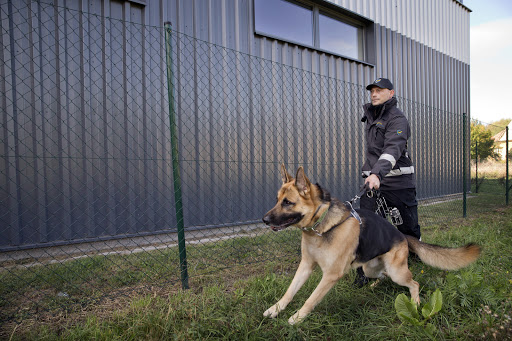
491 194
228 304
72 285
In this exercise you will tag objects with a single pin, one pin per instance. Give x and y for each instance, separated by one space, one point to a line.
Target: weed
407 311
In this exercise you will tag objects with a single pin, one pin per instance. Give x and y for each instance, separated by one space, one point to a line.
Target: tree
483 137
497 126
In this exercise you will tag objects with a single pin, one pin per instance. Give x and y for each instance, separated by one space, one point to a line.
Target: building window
340 37
326 27
284 20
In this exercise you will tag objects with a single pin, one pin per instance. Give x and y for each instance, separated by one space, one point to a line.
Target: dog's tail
444 258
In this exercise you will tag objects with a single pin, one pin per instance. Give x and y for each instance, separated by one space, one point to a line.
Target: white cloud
491 70
487 40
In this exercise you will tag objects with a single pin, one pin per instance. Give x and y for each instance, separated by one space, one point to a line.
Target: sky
490 59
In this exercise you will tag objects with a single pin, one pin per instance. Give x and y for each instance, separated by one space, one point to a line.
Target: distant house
500 141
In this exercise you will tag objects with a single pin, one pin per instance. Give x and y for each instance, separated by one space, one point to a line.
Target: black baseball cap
382 83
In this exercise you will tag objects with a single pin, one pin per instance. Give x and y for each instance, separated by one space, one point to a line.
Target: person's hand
373 181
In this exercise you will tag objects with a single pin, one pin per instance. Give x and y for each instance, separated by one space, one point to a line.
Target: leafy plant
468 289
407 311
482 144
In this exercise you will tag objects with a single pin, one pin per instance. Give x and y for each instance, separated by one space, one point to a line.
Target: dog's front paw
296 318
272 311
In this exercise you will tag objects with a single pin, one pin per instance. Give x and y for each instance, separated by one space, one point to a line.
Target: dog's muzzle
278 223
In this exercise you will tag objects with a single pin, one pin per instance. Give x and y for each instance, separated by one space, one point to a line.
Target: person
388 166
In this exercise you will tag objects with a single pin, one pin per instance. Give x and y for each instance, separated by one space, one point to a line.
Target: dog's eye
286 202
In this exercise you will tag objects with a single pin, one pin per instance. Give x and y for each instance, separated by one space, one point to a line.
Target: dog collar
353 214
318 222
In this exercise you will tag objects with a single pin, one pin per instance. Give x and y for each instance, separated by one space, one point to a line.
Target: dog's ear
302 182
285 175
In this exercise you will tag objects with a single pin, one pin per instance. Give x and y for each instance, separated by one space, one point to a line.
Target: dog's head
297 201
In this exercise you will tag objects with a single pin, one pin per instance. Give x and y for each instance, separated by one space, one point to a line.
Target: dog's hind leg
374 268
303 272
397 269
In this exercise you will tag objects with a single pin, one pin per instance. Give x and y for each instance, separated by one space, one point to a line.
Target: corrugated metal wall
422 45
442 25
84 123
414 39
84 111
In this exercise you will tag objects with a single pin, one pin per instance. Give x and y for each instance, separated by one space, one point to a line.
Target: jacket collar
369 109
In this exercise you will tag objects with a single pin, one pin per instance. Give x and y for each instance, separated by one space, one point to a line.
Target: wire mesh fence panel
91 199
437 153
87 204
489 170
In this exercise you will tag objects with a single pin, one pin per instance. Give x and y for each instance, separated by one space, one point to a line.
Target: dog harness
353 212
348 205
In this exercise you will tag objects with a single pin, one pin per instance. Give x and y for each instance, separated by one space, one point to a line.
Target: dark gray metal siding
85 136
84 123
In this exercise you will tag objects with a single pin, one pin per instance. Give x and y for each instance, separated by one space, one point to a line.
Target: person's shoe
361 280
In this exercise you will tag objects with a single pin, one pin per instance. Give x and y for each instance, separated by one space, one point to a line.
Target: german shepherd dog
337 238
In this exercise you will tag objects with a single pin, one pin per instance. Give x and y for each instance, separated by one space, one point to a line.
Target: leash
362 191
365 189
383 210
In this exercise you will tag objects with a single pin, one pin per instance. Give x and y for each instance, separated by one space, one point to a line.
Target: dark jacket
387 131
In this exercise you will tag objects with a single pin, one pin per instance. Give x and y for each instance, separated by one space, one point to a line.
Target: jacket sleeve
395 141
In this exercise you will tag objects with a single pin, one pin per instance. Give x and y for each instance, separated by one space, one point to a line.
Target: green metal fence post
464 182
476 166
506 160
175 159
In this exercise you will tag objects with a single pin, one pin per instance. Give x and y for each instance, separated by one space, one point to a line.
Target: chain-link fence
136 156
490 162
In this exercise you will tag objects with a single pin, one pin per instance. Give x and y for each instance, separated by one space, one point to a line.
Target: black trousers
405 201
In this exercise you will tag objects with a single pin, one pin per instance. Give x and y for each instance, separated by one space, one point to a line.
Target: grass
229 305
489 169
138 296
491 194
